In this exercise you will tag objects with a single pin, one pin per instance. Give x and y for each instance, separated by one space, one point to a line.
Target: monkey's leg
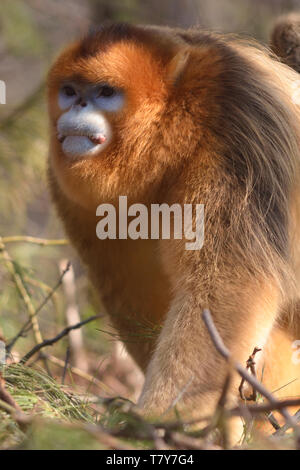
279 365
185 368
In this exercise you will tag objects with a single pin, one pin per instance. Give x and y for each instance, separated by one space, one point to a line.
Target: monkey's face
83 129
121 105
105 102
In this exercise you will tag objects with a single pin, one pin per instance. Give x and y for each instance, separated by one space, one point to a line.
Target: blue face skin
83 129
104 97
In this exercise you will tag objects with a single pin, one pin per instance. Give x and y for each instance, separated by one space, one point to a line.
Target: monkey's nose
81 102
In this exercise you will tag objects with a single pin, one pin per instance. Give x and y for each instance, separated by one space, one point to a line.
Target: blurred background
32 32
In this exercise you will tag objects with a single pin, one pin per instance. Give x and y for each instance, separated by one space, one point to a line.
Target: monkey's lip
96 139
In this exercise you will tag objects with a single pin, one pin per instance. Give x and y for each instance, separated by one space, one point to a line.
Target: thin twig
50 342
221 348
273 421
43 287
23 291
281 431
28 325
221 412
74 370
217 420
6 396
54 289
34 240
250 364
265 407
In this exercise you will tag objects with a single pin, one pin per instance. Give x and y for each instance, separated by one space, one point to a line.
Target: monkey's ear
177 65
285 40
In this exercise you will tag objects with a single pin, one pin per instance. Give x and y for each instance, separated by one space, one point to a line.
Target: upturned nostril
81 102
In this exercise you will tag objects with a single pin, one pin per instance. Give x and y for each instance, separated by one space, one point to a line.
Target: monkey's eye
67 96
108 98
106 91
69 91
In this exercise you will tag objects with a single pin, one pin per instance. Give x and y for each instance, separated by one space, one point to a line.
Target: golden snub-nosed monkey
166 116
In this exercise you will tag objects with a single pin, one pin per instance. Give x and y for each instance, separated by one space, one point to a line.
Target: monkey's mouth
82 136
79 145
95 139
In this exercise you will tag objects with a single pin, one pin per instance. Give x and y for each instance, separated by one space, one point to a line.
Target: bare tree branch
34 240
28 325
50 342
259 387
